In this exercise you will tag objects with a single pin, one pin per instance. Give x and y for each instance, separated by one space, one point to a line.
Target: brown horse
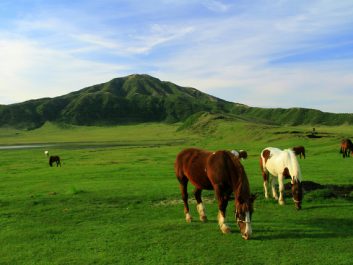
299 151
346 147
219 171
53 159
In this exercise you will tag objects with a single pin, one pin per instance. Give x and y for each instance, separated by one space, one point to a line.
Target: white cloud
236 54
216 6
31 71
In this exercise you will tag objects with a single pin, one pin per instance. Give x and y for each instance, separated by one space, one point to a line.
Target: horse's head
297 192
243 214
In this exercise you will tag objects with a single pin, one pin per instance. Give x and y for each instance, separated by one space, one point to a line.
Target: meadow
116 200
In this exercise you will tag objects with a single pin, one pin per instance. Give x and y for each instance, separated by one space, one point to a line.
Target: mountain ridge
142 98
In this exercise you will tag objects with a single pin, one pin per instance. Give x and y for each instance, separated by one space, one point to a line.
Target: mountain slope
143 98
135 98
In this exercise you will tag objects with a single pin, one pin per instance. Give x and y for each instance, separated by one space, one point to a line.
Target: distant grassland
115 200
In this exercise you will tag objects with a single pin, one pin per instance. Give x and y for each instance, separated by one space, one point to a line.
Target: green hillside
131 99
143 98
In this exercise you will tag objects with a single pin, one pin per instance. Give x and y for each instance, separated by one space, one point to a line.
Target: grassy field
115 200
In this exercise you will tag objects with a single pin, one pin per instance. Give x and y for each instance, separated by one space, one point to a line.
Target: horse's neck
294 168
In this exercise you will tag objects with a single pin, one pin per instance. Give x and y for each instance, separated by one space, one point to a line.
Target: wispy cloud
216 6
262 53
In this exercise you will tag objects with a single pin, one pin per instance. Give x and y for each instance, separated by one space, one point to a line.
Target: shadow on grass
315 228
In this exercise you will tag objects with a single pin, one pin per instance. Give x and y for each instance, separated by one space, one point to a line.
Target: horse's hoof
246 237
281 202
225 229
203 218
188 218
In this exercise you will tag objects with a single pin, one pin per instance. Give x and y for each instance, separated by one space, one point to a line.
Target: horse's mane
240 179
293 165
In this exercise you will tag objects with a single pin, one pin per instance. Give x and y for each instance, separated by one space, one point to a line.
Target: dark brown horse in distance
222 172
54 159
346 147
299 151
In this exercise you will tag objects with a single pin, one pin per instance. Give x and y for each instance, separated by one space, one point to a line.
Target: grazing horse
346 147
53 159
281 164
46 153
240 154
299 151
219 171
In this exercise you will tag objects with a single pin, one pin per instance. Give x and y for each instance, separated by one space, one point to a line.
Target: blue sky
264 53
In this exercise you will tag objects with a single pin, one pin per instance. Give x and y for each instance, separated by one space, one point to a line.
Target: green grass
115 200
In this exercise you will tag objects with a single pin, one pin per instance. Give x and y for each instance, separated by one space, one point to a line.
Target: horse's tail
178 167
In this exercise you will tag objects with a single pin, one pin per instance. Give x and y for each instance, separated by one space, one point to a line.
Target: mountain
134 98
143 98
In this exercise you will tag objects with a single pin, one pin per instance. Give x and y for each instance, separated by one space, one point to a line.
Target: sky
262 53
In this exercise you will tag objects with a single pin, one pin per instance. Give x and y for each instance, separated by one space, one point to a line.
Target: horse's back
273 160
269 152
191 164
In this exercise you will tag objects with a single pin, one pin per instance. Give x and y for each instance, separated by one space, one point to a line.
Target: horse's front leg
184 194
200 207
281 189
222 206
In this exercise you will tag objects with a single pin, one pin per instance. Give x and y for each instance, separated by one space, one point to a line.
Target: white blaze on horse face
248 230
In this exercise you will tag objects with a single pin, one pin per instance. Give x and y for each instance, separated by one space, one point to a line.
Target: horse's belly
272 169
204 185
200 181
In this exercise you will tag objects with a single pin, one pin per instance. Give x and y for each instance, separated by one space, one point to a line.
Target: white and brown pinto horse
241 154
219 171
281 164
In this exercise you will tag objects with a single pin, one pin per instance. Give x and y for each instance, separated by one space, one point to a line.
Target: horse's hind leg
265 175
273 186
200 207
281 190
184 194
